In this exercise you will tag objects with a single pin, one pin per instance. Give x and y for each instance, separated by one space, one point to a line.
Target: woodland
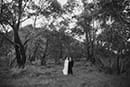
37 35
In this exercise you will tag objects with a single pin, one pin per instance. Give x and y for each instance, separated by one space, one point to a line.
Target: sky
62 2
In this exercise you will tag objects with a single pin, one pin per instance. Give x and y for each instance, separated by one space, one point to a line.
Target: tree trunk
19 49
1 41
92 52
118 64
60 53
122 63
88 53
43 62
33 57
87 47
60 48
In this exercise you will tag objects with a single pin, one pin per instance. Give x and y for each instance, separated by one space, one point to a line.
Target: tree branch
19 13
2 34
27 41
1 21
24 19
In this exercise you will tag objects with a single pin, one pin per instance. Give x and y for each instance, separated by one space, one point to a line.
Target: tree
115 34
11 14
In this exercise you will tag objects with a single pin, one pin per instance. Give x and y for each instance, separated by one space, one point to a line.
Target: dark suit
71 63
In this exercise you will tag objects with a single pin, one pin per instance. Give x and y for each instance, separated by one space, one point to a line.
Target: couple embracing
68 65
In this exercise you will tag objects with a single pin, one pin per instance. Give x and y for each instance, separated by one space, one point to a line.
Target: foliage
104 24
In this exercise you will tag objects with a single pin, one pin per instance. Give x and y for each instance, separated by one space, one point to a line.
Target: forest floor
51 76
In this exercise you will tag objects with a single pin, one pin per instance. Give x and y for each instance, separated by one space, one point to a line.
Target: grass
41 76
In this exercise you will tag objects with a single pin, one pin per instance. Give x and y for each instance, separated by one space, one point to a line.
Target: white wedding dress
65 69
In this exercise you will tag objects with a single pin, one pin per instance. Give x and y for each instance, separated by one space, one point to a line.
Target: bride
65 69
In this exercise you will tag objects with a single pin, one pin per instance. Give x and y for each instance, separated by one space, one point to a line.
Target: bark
122 63
60 54
43 62
118 64
1 41
60 48
89 48
19 49
34 54
32 58
1 2
92 52
88 53
5 37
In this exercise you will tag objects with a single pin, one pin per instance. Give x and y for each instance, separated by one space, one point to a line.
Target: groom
70 66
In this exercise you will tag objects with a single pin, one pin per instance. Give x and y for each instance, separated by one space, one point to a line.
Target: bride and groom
68 65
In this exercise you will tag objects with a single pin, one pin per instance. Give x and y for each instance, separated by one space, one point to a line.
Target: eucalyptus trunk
43 61
118 64
19 49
